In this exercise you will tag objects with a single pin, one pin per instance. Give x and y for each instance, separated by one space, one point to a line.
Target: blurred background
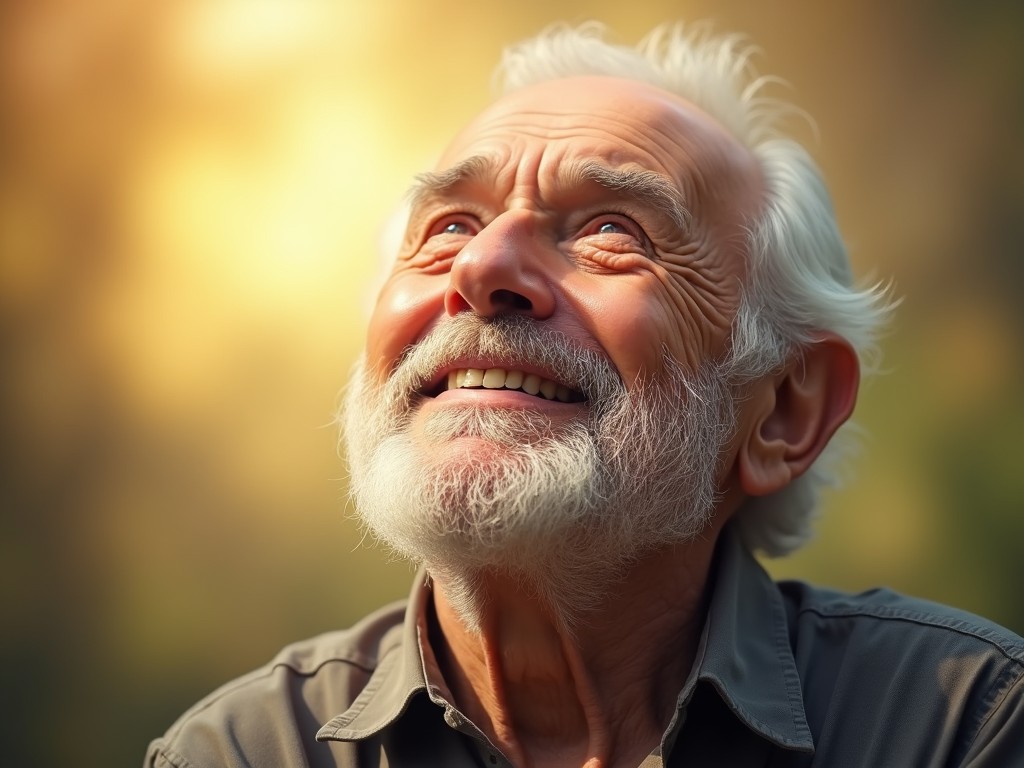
191 200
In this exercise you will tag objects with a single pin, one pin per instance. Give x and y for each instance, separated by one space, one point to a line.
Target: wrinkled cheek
665 328
641 332
406 310
632 317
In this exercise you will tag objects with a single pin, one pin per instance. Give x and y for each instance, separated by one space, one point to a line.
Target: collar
744 654
745 651
398 678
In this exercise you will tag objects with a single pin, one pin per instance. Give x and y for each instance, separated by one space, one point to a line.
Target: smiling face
608 209
568 279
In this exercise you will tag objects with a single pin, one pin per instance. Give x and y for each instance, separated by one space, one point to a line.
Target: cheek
632 317
406 309
637 318
641 332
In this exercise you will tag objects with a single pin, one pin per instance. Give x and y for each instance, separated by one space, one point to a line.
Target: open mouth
502 378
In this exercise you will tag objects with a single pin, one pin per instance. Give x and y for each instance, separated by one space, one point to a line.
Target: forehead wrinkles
656 136
631 181
647 136
565 173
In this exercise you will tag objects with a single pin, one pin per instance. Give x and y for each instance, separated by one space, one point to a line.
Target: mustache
510 341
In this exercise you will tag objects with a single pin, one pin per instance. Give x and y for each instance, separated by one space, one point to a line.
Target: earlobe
796 412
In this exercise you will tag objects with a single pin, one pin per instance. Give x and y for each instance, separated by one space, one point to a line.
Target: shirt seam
173 758
365 666
993 708
1010 650
794 690
255 677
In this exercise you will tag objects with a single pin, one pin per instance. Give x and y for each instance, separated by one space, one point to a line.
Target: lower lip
502 398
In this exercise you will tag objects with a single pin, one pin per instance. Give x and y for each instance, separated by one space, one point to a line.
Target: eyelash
467 220
622 221
473 226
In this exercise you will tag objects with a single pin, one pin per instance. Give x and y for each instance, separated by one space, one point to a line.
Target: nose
501 271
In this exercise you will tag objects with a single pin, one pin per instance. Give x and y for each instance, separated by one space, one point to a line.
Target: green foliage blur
191 204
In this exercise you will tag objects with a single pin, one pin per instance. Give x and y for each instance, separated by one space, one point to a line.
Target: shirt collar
398 677
744 653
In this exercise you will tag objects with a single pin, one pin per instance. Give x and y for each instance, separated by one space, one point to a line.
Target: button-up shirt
785 675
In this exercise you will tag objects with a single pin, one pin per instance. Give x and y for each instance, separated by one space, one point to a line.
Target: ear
795 414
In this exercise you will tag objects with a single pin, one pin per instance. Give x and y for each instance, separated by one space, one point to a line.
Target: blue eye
455 227
614 231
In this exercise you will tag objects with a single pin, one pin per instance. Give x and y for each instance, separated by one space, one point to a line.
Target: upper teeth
498 378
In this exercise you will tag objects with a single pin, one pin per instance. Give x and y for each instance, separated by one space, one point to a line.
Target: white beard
562 508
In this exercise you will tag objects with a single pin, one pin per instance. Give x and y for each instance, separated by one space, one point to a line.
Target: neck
601 694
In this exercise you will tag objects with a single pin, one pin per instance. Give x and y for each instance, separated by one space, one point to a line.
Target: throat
513 679
601 692
527 687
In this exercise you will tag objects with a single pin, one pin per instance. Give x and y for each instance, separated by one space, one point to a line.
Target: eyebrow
637 183
436 183
641 185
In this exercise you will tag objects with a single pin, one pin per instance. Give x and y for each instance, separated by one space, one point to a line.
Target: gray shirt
785 675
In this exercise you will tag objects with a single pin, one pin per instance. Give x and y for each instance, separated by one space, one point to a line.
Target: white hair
799 279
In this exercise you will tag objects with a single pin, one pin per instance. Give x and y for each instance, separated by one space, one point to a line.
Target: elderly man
613 352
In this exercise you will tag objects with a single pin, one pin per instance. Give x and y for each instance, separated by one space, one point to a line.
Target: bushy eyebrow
436 183
644 186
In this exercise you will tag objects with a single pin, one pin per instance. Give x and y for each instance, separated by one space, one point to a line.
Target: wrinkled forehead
619 122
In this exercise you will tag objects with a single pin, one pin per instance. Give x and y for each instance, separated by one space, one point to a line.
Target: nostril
510 300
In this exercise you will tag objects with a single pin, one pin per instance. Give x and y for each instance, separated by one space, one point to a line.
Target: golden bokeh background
191 201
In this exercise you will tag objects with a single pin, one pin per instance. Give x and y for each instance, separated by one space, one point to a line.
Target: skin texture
529 211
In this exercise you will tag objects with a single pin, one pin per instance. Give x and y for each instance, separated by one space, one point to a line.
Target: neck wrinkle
601 695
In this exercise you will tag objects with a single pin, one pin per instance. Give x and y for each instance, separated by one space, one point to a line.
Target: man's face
605 215
608 209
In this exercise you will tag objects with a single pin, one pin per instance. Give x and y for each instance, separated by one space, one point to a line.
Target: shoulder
880 668
894 614
359 648
274 712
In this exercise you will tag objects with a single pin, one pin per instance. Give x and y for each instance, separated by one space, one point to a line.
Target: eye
614 224
610 232
455 226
